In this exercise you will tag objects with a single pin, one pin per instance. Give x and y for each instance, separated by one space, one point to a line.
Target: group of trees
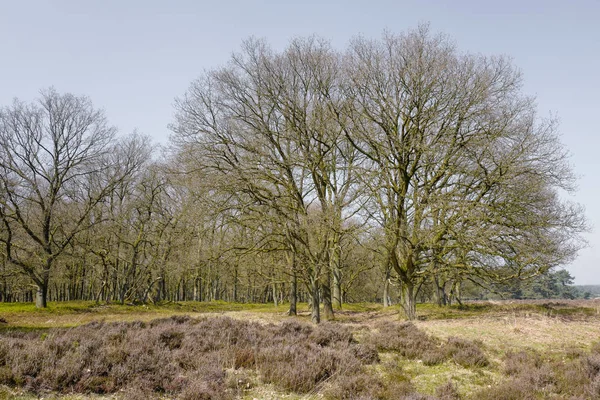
556 284
399 165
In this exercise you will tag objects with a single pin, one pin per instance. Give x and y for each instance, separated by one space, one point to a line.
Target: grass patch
76 307
25 316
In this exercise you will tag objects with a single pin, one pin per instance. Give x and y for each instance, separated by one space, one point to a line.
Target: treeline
556 284
397 168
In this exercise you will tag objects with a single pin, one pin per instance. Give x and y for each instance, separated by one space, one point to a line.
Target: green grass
428 378
73 307
25 316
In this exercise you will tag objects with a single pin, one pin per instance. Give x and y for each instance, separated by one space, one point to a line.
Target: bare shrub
403 338
180 357
530 368
6 376
465 352
592 365
329 333
201 389
301 368
243 358
355 387
514 389
172 338
593 389
366 353
138 391
571 377
447 392
433 357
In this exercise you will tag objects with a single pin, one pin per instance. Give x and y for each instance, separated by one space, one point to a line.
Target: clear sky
133 57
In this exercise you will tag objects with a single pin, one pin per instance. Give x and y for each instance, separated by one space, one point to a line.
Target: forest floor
482 350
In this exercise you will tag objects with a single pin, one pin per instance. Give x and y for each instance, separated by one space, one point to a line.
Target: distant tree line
396 170
554 284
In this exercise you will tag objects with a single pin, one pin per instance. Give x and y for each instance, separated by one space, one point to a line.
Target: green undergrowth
424 310
548 308
428 378
74 307
25 316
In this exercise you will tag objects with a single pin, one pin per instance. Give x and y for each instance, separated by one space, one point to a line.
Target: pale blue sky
134 57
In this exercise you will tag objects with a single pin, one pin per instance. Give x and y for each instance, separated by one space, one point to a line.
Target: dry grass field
501 350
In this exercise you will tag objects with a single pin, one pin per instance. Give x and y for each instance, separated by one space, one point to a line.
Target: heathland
216 350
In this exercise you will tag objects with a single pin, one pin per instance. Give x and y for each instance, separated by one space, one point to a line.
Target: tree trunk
456 291
235 281
386 293
41 296
274 288
293 294
386 288
315 313
409 301
337 288
440 292
337 274
326 290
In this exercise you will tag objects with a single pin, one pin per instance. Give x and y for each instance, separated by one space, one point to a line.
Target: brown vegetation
362 357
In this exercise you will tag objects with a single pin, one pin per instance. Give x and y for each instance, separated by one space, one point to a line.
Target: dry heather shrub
138 391
519 363
530 368
571 378
239 381
201 389
329 333
447 392
6 376
592 365
179 357
465 352
413 396
434 357
354 387
301 368
172 338
366 353
243 358
514 389
403 338
4 351
593 389
404 390
410 342
294 328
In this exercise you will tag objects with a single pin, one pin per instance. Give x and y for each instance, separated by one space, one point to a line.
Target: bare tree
456 170
268 124
461 172
55 168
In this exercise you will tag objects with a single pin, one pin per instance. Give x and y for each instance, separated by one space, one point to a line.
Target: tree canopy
307 173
